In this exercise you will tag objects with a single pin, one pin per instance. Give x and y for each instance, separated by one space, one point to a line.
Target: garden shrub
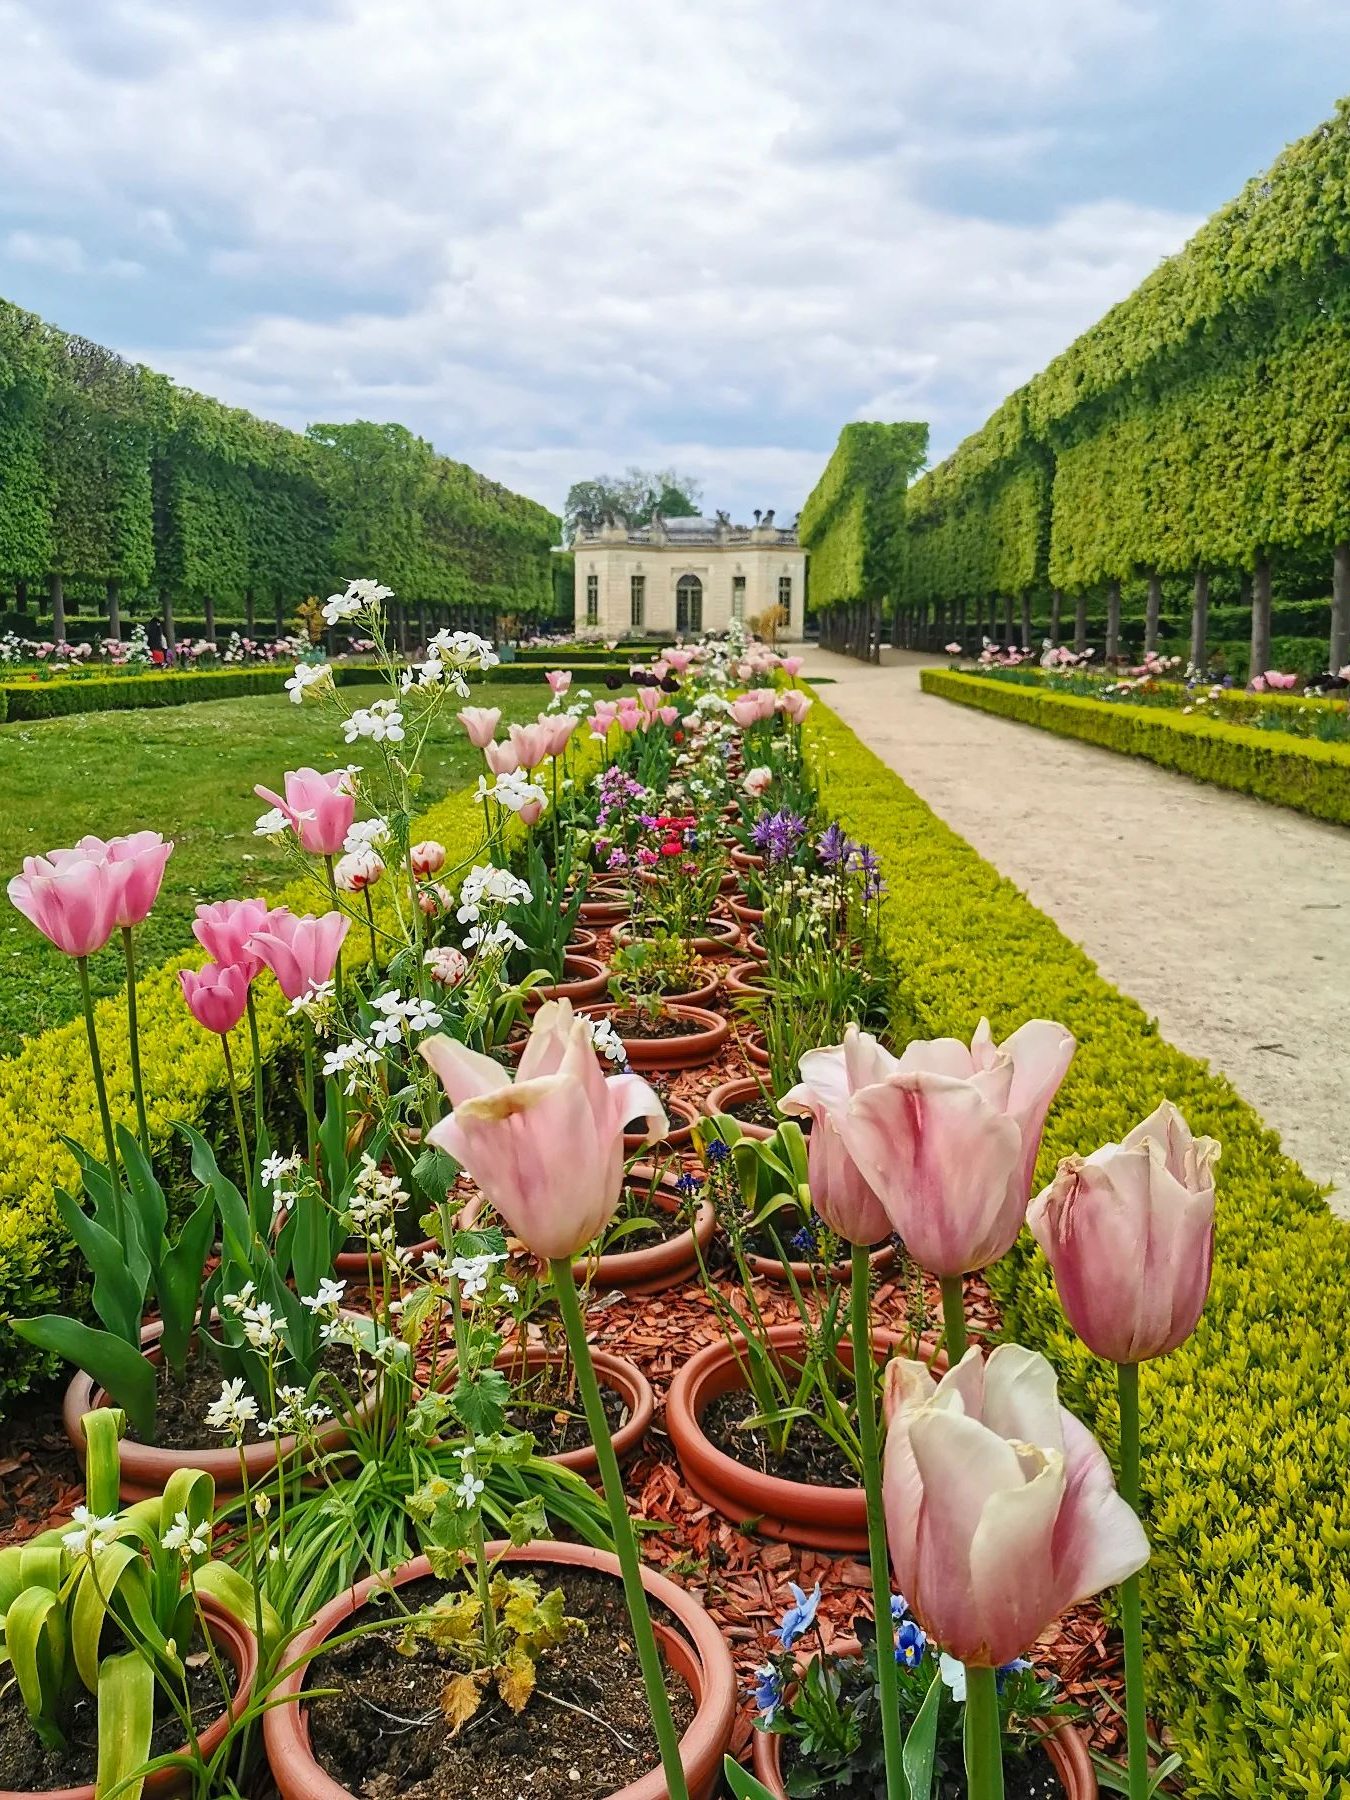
1247 1437
1310 776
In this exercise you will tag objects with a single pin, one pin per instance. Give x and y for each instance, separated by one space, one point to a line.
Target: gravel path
1223 916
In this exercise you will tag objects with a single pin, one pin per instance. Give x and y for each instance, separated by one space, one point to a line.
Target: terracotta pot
145 1468
1066 1748
680 1136
728 883
754 947
608 908
697 1652
745 914
771 1268
818 1518
745 980
703 994
241 1651
724 935
353 1265
746 859
727 1095
583 941
689 1051
754 1048
584 978
613 1372
652 1268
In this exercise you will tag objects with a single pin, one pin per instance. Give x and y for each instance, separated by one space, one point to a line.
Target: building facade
680 577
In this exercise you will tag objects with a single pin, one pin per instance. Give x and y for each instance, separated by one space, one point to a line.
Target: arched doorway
689 604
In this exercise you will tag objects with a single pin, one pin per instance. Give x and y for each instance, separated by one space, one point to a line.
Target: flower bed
1310 777
1245 1481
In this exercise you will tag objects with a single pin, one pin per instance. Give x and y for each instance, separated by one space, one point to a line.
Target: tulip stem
1132 1626
245 1159
625 1544
333 893
109 1142
255 1047
865 1389
954 1317
984 1737
370 926
307 1084
129 956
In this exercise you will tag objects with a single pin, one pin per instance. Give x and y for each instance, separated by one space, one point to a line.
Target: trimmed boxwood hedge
1310 776
1247 1436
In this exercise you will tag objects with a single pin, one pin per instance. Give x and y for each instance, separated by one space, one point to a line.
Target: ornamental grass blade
742 1783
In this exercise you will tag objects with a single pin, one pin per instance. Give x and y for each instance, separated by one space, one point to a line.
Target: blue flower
688 1184
1014 1667
768 1691
806 1242
899 1608
800 1616
717 1151
910 1644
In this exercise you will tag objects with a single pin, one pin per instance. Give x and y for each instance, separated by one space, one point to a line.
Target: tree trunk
423 633
1056 608
250 616
209 617
1340 609
279 615
166 613
1199 619
1007 621
56 588
1154 607
1080 623
961 623
1259 660
1113 621
115 611
21 596
1026 621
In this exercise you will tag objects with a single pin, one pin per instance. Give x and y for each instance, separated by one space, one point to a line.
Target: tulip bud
1129 1234
216 995
427 858
357 871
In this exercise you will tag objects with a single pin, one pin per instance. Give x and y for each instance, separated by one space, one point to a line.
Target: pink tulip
301 952
795 704
1259 685
502 759
840 1192
530 743
427 858
137 866
531 812
1129 1233
547 1148
668 715
216 996
660 667
792 665
224 928
598 726
758 782
749 709
649 700
679 660
1000 1507
72 898
560 728
948 1136
481 723
559 680
318 808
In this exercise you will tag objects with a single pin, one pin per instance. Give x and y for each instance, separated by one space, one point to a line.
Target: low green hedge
1247 1436
1310 776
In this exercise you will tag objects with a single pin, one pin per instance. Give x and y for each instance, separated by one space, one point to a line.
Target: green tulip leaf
118 1368
126 1723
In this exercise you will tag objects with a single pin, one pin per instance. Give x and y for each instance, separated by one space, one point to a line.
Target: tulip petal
462 1072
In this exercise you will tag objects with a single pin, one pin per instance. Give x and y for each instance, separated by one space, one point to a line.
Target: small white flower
493 937
329 1296
367 834
468 1488
307 676
272 824
187 1539
233 1410
421 1015
89 1533
953 1674
606 1042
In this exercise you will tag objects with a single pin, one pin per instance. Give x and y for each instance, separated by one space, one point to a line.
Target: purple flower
833 846
800 1616
778 834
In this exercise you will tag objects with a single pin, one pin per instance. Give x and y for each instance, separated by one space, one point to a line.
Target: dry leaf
459 1700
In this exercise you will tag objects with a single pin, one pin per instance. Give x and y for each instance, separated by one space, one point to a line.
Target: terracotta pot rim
653 1267
286 1730
590 977
241 1647
150 1465
678 1135
616 1373
722 1097
736 980
770 1268
745 914
687 1051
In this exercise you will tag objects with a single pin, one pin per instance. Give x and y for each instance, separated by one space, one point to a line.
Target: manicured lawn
188 772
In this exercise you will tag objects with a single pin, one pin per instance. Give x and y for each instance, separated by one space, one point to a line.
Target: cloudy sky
559 236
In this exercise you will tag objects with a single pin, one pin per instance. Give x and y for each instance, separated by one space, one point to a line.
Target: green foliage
1246 1435
853 522
108 472
1311 777
637 496
1199 423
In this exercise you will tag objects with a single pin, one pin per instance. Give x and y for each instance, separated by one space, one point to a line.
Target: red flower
673 848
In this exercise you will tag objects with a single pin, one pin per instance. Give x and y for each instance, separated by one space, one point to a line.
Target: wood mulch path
741 1579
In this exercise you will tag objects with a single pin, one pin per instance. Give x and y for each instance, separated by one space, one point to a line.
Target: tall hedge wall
853 522
1200 425
110 474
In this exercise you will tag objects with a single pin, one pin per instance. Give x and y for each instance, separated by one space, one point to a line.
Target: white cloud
555 239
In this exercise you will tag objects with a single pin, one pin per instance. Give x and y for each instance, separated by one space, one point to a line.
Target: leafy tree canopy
637 495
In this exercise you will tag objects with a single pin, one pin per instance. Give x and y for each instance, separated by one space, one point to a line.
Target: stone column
250 614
